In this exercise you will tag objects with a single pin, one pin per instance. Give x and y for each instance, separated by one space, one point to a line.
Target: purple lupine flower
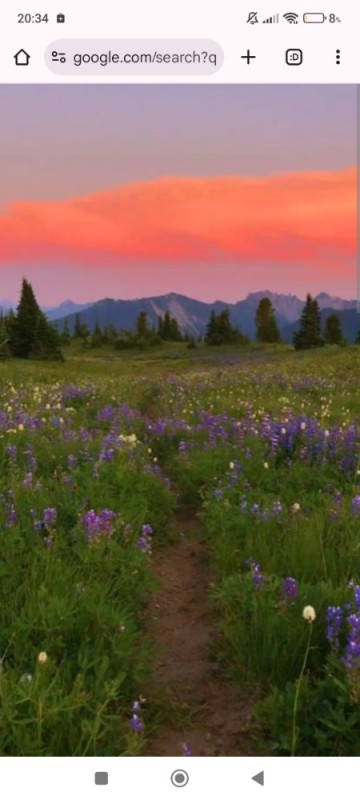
183 446
356 589
357 597
11 451
187 751
355 504
72 461
107 454
256 575
136 723
257 578
147 530
98 524
289 589
27 482
49 517
11 514
144 542
30 458
106 414
352 650
277 507
218 494
334 620
338 498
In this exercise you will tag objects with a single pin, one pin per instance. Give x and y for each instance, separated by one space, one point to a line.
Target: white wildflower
309 614
42 657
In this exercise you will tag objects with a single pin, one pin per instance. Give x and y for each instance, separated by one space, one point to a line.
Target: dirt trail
194 705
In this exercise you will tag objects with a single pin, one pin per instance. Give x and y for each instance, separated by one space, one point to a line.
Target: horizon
144 191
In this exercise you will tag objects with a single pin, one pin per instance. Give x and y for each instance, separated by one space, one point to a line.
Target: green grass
84 603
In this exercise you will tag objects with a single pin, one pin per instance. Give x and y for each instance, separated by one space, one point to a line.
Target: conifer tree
265 322
161 327
65 334
220 330
24 324
309 333
4 337
30 334
211 328
97 336
333 333
142 328
77 327
224 328
167 326
175 333
47 340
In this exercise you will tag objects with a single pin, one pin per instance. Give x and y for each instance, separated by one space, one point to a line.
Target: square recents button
101 778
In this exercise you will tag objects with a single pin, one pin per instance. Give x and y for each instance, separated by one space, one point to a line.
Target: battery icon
314 18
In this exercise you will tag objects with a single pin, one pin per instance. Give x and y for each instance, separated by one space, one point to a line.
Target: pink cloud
304 218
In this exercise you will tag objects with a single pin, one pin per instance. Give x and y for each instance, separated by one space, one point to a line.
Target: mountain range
192 315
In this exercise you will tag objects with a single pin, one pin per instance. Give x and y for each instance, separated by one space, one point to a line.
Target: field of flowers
94 457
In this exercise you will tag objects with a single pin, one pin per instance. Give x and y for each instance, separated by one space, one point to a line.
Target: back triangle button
259 778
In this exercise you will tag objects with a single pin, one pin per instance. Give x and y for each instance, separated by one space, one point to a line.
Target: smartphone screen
179 399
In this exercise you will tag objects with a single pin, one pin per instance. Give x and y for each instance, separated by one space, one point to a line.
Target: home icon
22 58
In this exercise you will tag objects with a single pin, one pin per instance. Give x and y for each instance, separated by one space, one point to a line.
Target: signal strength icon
291 17
274 18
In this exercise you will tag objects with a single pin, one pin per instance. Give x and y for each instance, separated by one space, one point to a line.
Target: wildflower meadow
262 448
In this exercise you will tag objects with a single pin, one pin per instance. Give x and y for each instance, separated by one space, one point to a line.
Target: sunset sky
210 191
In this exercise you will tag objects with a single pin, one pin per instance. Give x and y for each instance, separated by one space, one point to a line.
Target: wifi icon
291 17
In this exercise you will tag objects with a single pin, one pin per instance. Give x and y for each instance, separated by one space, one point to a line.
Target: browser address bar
134 56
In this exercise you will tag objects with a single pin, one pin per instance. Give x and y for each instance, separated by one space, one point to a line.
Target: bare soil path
195 705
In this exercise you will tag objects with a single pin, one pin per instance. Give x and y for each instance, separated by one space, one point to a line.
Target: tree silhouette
30 333
168 328
142 328
47 340
77 327
309 333
333 333
220 331
265 322
65 337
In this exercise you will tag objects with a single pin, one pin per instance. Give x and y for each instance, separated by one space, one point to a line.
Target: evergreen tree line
167 330
219 330
310 334
26 333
